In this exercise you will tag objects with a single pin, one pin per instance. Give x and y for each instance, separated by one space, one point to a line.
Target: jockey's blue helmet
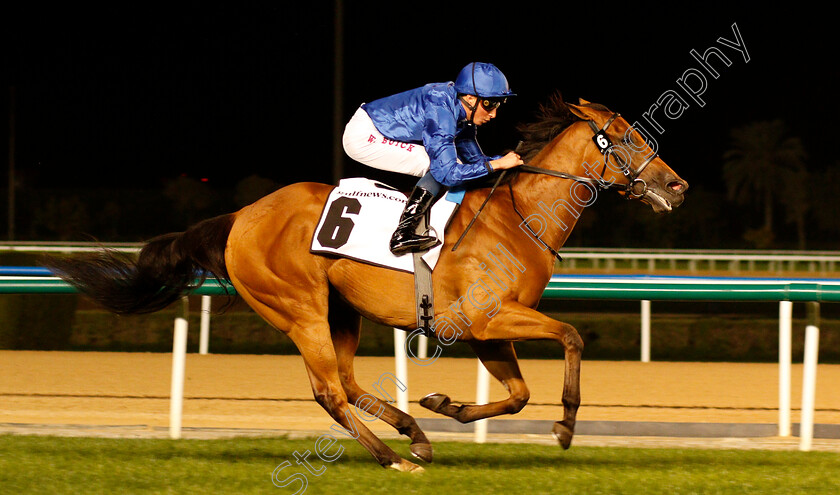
483 80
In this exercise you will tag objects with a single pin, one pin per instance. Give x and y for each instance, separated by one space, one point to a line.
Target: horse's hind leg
313 340
500 360
345 325
322 366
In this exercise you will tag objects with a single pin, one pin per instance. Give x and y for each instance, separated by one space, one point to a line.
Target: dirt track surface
272 392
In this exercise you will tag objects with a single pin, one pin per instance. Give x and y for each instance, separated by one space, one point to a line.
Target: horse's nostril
676 186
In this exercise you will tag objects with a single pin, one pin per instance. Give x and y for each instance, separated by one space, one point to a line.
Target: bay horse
263 250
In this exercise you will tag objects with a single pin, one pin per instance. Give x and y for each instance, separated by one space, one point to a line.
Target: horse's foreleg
500 360
345 327
517 322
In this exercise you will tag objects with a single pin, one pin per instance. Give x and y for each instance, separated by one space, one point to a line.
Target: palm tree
765 163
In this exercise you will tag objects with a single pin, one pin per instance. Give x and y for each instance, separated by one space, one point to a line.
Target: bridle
605 146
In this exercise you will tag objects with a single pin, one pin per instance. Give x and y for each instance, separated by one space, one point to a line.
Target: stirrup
415 243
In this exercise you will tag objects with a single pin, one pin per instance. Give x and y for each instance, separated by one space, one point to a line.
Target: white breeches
363 143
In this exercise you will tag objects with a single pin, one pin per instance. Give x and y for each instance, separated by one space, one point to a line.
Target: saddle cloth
359 217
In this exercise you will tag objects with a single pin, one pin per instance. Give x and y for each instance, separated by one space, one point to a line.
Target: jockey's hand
508 161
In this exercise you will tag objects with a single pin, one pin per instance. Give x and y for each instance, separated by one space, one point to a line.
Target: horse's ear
581 101
580 112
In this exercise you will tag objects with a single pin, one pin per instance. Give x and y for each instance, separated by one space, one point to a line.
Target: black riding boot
405 238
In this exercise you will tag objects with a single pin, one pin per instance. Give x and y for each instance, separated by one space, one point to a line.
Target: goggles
491 104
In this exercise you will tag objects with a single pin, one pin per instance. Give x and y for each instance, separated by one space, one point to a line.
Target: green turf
33 465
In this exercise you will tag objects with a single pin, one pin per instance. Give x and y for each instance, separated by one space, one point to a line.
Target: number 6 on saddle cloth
357 222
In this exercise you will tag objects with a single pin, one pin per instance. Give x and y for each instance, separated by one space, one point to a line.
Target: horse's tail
167 267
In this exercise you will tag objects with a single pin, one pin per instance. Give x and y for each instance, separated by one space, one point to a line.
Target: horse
318 301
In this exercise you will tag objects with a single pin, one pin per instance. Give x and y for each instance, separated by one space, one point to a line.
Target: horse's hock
272 392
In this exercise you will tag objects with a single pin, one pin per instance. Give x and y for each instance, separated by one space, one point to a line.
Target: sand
264 392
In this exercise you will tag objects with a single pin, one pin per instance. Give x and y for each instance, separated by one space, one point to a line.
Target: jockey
430 132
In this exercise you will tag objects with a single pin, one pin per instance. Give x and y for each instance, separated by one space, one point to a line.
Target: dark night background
114 103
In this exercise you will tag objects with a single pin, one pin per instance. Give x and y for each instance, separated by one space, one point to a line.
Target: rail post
401 368
809 377
645 331
179 353
785 325
204 332
422 347
482 396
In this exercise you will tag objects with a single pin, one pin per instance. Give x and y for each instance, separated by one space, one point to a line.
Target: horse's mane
553 118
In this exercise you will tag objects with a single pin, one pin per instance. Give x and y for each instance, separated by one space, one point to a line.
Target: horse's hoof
405 466
434 402
422 451
563 434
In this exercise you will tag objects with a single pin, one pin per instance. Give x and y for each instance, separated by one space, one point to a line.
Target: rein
469 226
536 236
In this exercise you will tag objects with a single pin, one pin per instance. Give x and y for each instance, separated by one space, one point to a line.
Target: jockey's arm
454 159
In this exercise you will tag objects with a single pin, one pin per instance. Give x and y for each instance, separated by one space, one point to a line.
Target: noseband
605 146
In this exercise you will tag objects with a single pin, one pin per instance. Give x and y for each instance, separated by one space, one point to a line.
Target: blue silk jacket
433 115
